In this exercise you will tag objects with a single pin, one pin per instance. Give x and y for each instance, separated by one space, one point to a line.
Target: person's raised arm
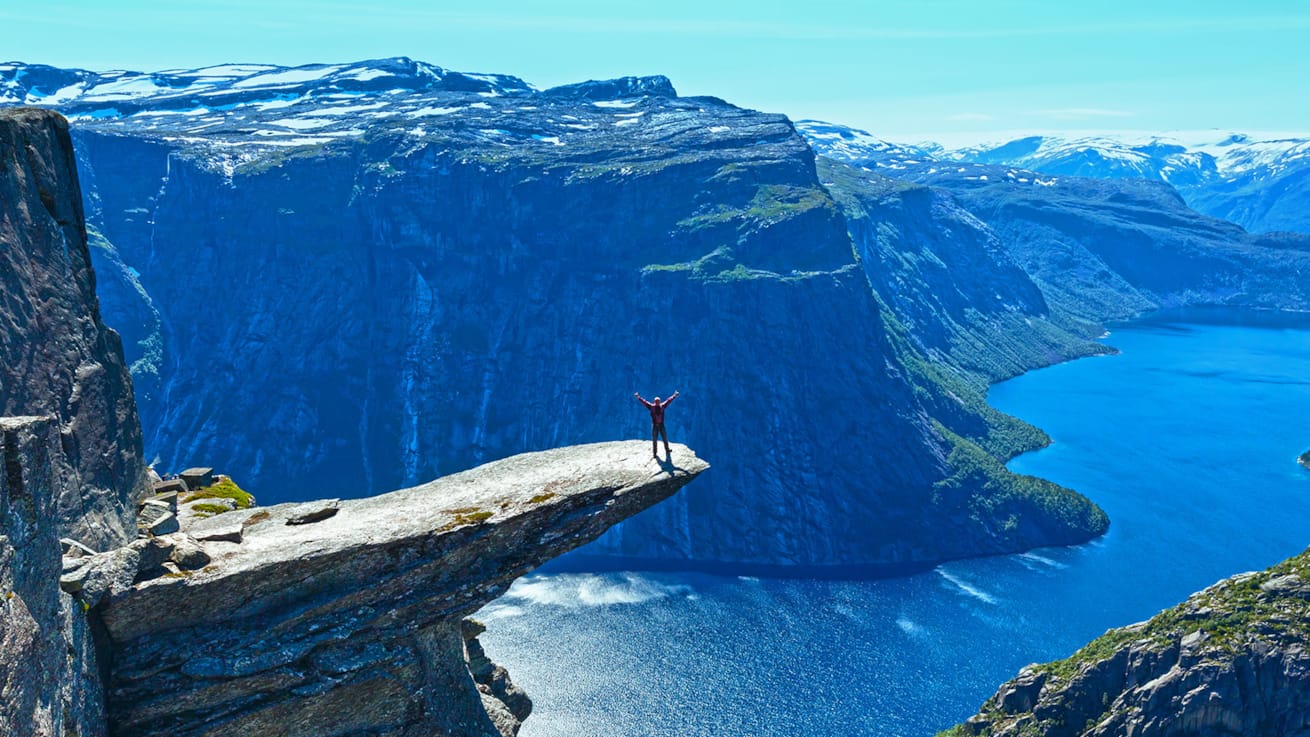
639 399
672 397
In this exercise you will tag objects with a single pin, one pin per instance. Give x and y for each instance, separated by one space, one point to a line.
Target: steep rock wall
68 430
961 297
56 355
51 673
427 305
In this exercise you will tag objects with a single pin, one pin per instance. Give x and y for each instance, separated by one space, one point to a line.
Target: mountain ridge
1261 184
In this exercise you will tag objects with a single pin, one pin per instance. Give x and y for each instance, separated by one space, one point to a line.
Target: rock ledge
351 624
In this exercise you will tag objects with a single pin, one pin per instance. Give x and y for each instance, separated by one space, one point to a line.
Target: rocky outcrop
1231 660
57 358
69 437
1304 460
50 684
345 619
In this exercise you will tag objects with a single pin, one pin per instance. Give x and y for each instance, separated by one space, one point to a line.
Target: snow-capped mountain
1259 182
237 105
855 146
1180 158
1099 158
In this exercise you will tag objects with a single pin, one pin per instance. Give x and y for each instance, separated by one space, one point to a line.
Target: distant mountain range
1260 183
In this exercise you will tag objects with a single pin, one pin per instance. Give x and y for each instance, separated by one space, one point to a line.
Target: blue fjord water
1188 439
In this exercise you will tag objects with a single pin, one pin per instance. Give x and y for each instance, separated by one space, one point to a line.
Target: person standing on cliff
656 408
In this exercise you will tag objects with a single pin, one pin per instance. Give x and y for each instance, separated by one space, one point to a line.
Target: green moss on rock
208 510
224 488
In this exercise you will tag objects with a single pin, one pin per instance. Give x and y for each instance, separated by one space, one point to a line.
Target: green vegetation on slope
771 202
1002 501
1239 615
224 488
1016 511
1227 613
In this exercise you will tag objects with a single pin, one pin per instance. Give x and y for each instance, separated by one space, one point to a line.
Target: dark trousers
657 431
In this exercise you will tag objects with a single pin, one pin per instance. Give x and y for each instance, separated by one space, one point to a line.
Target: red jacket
657 410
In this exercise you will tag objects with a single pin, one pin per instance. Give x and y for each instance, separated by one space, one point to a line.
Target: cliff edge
1231 660
345 618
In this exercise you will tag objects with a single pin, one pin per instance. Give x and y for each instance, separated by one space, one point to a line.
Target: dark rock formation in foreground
70 444
50 683
57 358
1231 660
344 618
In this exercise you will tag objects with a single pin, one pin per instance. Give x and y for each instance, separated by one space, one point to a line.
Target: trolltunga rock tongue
349 623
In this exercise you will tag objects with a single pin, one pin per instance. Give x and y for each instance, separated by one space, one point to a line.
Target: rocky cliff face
410 279
50 677
68 432
56 356
950 280
1107 249
1231 660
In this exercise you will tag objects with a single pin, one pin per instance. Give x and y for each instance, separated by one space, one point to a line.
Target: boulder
312 512
197 478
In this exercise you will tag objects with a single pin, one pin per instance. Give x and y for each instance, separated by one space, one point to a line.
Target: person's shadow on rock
668 466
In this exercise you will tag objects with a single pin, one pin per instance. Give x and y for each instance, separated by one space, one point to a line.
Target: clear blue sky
905 69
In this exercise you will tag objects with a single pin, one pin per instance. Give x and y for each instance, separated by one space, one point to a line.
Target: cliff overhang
345 617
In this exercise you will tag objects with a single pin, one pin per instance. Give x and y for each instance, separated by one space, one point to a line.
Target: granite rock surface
352 624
